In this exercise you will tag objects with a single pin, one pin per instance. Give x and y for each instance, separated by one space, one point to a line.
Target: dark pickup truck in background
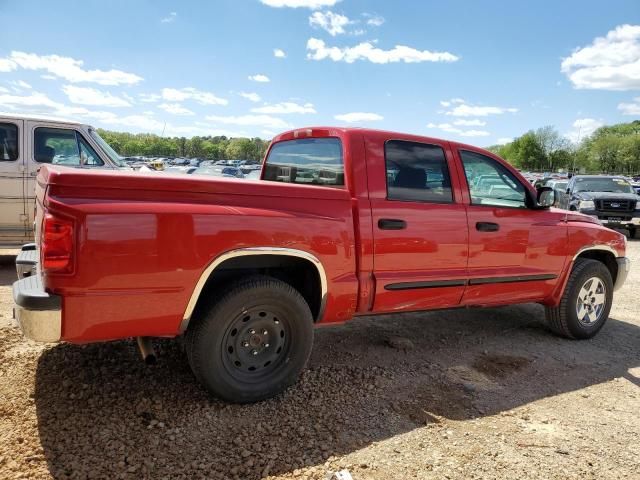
611 199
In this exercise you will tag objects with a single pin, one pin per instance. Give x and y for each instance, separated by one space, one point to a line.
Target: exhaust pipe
146 350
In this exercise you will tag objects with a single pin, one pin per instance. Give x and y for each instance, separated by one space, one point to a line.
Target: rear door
419 224
14 226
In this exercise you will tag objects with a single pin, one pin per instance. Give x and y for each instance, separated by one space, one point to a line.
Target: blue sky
477 71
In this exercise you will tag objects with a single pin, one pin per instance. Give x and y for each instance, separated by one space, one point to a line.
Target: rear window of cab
310 161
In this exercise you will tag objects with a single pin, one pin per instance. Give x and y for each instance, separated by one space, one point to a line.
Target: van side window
417 172
61 146
8 142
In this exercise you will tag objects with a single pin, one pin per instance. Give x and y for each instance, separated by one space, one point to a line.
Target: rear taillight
56 247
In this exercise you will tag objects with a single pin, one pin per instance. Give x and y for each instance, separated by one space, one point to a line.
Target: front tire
586 301
252 342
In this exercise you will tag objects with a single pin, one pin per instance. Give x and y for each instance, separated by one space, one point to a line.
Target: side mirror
546 197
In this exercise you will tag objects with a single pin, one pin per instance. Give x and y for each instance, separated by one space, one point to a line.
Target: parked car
559 186
180 169
245 270
27 143
610 199
219 171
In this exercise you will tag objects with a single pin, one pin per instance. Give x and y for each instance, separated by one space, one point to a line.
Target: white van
25 144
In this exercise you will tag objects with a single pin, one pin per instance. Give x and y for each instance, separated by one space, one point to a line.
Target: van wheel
252 342
586 302
634 233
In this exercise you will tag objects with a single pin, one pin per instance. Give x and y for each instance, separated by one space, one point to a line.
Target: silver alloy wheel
591 301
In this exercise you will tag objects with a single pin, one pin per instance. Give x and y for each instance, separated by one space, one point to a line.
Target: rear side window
312 161
417 172
62 146
8 142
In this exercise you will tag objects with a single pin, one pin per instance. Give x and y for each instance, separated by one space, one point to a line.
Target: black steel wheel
252 342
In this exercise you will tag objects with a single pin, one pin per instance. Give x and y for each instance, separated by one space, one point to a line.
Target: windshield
106 148
615 185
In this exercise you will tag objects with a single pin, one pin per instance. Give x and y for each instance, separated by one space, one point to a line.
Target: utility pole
573 169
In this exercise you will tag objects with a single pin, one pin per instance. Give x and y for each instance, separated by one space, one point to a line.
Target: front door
510 243
14 227
419 225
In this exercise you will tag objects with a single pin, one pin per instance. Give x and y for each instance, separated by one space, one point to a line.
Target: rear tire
634 233
586 301
252 342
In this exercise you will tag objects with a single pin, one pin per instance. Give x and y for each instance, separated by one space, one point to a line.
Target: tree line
609 149
213 148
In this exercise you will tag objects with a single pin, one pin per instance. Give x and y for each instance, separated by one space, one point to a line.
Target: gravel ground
456 394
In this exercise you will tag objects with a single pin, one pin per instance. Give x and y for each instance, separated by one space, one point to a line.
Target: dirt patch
476 394
499 366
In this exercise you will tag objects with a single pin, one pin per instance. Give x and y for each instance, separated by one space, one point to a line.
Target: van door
14 226
58 144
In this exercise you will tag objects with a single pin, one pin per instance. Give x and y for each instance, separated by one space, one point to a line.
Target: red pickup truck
344 222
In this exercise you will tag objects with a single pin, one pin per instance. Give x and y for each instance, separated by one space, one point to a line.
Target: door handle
487 227
391 224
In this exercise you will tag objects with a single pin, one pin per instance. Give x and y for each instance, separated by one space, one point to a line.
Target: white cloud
48 77
318 50
265 121
609 63
21 84
312 4
374 20
448 103
190 93
279 53
175 109
7 65
504 140
459 108
630 108
251 96
169 18
259 78
447 127
476 122
4 90
285 108
67 68
332 23
91 96
358 117
149 97
582 128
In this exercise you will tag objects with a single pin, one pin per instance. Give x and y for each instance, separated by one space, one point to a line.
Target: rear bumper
624 265
27 261
38 313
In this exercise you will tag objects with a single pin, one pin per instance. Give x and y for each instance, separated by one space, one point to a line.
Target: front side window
312 161
490 183
8 142
417 172
62 146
